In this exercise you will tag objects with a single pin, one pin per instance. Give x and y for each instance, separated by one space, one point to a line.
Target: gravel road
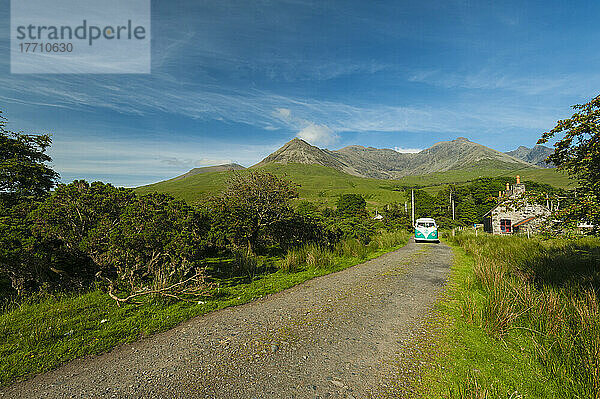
343 335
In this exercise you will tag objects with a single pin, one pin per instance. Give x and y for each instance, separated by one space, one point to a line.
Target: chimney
518 179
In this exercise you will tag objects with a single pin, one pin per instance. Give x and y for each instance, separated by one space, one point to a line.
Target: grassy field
323 185
43 333
520 320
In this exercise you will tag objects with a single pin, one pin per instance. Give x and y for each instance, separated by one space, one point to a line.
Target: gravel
344 335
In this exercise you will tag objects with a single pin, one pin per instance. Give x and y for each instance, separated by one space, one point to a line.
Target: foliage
307 208
81 215
157 247
24 174
361 228
578 153
351 205
148 244
249 208
24 179
17 261
395 218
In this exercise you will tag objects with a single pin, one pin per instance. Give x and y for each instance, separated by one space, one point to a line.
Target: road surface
343 335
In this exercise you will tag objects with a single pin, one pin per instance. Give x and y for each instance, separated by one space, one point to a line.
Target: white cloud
407 150
318 134
284 113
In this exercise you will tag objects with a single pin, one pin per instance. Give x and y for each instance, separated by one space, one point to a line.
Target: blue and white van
426 230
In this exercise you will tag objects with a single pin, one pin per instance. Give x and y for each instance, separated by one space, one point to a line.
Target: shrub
351 205
357 227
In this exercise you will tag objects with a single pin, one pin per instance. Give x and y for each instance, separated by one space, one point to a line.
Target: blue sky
232 81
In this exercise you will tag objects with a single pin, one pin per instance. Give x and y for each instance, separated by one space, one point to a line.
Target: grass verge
521 320
469 362
40 335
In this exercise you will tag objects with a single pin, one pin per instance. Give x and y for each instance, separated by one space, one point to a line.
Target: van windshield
426 224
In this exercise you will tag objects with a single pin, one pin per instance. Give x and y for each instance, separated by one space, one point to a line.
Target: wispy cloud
526 84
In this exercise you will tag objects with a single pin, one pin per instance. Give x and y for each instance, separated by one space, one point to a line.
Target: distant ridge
389 164
536 155
207 169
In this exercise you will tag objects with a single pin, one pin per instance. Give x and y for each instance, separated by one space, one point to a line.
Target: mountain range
536 155
389 164
356 160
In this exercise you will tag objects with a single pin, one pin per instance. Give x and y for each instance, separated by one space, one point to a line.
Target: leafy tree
245 213
23 170
467 211
395 218
306 208
24 179
424 204
351 205
357 227
81 215
578 153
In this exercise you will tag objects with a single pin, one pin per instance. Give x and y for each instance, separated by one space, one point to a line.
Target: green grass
470 363
42 334
323 185
521 320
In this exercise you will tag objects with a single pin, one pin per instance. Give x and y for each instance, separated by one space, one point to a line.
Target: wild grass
41 333
540 296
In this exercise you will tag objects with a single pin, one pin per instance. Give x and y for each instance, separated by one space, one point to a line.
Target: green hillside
317 183
323 185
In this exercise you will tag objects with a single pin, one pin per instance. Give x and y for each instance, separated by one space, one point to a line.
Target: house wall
517 213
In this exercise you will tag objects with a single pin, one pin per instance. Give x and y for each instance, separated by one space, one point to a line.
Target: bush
357 227
139 245
351 205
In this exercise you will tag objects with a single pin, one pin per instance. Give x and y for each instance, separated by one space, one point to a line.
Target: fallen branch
177 290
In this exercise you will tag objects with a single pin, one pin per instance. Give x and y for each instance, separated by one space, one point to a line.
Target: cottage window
505 225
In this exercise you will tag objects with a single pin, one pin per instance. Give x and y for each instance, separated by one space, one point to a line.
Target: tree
24 179
351 205
156 248
248 209
467 211
80 215
578 153
395 218
24 174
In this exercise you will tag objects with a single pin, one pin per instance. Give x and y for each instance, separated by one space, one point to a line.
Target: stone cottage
515 213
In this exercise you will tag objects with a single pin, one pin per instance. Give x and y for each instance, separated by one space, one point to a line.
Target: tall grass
314 256
546 291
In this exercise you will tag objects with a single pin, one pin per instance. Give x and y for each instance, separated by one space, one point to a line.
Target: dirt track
337 336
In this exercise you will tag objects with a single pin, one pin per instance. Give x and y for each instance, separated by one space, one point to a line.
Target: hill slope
208 169
535 155
323 185
389 164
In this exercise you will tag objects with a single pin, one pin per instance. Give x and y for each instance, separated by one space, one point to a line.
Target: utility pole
412 205
452 201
